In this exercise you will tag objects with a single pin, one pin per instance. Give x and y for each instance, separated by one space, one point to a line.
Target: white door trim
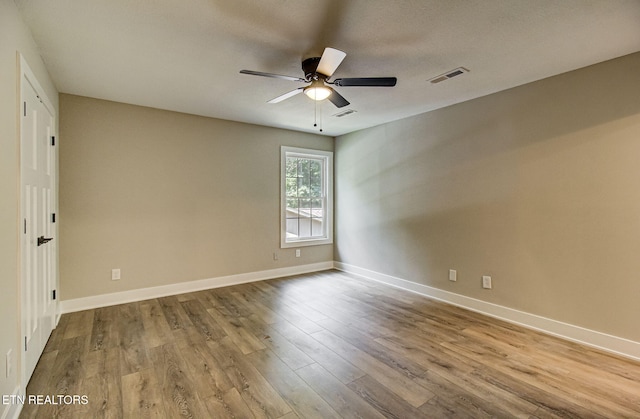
27 76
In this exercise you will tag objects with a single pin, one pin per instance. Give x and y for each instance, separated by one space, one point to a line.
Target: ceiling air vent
344 113
448 75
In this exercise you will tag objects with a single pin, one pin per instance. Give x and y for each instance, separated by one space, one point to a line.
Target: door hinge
53 140
25 344
25 226
54 294
53 217
25 108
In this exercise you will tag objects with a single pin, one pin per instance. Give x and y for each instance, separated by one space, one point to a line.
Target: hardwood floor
324 345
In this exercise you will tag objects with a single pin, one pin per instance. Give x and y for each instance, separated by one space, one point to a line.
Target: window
306 197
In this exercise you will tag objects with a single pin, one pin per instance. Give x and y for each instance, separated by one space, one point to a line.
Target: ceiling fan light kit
317 90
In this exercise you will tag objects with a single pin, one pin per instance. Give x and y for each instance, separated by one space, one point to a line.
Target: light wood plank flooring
324 345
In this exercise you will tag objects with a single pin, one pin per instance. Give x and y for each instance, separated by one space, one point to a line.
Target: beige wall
537 186
14 36
168 197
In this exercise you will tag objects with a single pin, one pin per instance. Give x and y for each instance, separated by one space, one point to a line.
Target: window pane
292 212
303 187
292 227
303 168
305 227
292 167
317 227
305 204
315 186
292 187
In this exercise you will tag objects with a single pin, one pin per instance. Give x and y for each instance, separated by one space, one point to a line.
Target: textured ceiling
185 55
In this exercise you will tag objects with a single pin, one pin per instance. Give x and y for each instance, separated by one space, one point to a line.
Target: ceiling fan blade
330 60
337 99
275 76
286 95
367 81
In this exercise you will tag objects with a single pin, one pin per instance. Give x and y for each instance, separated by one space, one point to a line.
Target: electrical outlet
453 275
9 363
297 253
115 274
486 282
275 255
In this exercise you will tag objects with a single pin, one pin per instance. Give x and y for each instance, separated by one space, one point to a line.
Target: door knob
42 240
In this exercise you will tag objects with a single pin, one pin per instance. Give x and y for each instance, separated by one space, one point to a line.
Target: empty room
319 209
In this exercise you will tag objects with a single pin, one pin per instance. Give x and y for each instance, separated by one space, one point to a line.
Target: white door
38 252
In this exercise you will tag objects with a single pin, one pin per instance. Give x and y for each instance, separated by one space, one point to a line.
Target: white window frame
327 181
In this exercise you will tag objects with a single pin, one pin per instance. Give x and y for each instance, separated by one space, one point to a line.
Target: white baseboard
104 300
603 341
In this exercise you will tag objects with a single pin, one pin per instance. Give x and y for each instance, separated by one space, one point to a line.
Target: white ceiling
185 55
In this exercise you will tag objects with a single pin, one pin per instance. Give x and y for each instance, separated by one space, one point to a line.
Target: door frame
26 75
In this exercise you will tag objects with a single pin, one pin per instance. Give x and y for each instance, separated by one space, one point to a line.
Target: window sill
307 242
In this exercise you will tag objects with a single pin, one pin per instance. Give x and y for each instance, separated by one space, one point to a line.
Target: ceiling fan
317 71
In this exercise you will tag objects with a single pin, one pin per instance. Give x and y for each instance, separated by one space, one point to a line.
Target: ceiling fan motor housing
309 66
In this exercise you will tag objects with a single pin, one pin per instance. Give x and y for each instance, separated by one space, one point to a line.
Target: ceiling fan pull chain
315 113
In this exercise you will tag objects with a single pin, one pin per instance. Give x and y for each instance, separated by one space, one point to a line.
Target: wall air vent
344 113
448 75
